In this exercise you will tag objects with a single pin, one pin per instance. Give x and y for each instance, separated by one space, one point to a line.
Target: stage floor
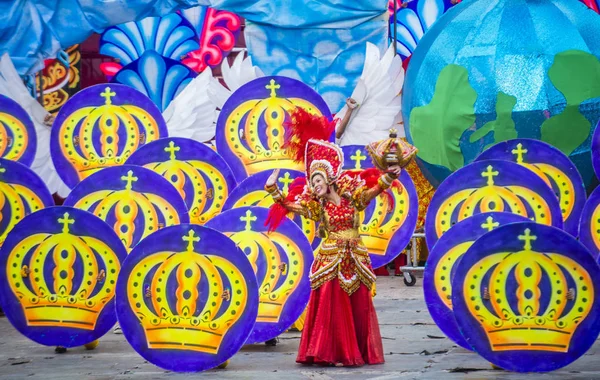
414 349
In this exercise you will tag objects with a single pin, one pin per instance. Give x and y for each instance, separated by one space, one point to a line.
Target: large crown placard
490 186
250 132
525 297
101 127
133 200
551 165
187 298
60 272
18 140
589 225
437 277
386 229
22 192
281 261
251 192
201 176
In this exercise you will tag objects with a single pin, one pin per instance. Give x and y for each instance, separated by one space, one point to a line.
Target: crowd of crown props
164 233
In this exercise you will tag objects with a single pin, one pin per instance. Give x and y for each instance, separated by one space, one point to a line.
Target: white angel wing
12 86
378 94
192 113
235 76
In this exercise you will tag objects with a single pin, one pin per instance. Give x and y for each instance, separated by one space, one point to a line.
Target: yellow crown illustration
261 198
259 153
92 138
208 184
62 302
20 200
529 318
551 174
192 321
377 230
491 198
13 137
284 265
126 206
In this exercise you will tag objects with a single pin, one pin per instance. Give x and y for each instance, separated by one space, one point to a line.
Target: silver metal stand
412 262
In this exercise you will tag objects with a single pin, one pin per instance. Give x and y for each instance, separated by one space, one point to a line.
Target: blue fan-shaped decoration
159 78
171 36
414 20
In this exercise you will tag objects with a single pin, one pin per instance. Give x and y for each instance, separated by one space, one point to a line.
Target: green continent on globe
437 127
504 126
576 74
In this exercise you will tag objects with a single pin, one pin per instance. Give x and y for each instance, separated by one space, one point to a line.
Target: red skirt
340 329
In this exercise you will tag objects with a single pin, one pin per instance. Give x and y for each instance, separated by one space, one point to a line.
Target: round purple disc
551 165
525 297
18 140
200 175
589 227
58 279
441 263
22 192
186 298
281 261
101 126
490 186
133 200
250 133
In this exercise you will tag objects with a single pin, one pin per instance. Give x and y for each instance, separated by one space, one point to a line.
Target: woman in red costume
341 325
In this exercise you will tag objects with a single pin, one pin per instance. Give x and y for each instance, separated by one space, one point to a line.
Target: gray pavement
414 349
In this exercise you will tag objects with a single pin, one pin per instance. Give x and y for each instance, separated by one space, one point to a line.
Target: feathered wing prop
12 86
235 76
378 94
192 114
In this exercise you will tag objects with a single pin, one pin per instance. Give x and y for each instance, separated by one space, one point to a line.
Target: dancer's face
319 186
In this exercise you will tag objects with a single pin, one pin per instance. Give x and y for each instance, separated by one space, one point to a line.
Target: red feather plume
277 212
302 127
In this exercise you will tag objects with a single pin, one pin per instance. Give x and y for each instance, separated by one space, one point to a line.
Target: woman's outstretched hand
273 178
351 103
396 169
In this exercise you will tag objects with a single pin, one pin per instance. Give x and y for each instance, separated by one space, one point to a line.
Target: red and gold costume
341 324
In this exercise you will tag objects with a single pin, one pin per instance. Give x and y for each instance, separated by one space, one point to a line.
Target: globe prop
22 192
442 262
187 298
281 261
250 132
200 175
553 167
58 278
133 200
101 126
18 140
488 73
525 297
490 186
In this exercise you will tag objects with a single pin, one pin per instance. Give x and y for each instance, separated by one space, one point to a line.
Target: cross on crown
273 86
171 149
490 174
357 158
286 180
191 238
527 238
519 152
490 224
107 95
65 221
249 218
130 179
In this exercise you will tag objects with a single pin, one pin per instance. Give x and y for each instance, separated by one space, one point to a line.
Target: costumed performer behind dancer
341 326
